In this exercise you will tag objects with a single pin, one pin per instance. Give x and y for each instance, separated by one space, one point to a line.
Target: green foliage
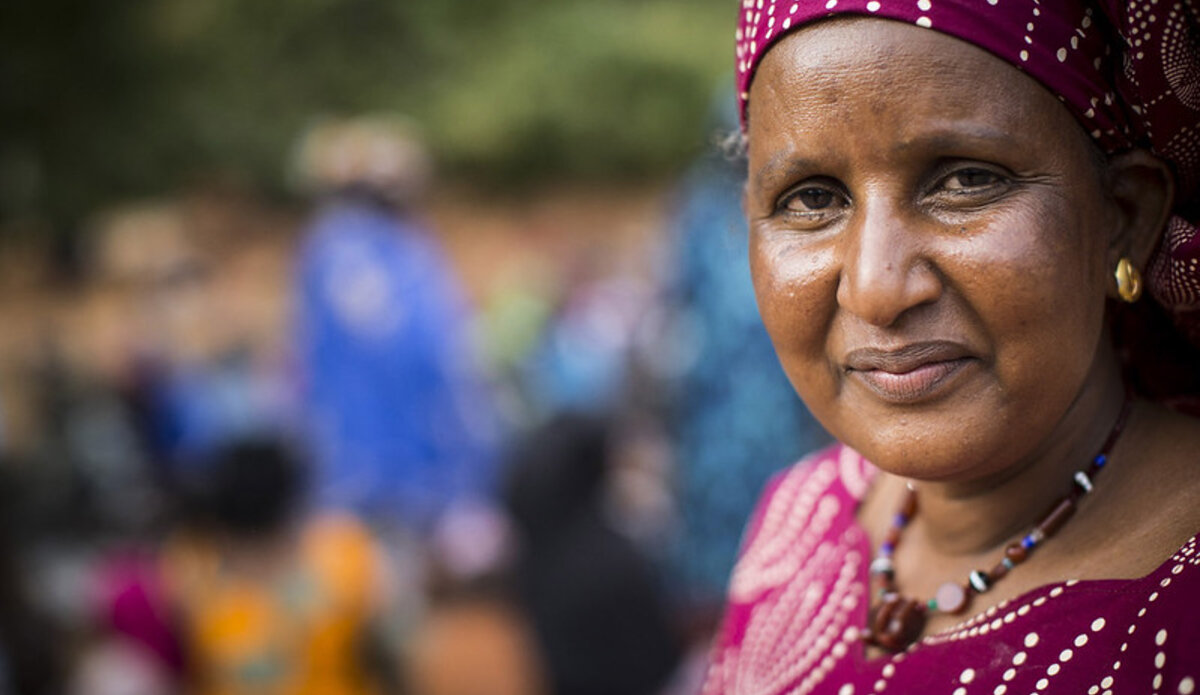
78 123
594 89
101 101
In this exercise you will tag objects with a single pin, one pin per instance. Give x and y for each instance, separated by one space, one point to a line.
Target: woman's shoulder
803 551
802 507
836 470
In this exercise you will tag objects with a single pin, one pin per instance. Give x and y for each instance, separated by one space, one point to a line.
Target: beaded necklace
897 621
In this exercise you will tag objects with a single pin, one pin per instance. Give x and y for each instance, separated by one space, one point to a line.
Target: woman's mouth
909 374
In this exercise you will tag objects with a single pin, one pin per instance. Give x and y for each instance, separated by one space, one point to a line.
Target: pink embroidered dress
800 593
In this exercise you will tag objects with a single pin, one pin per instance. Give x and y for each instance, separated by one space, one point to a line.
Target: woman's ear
1141 188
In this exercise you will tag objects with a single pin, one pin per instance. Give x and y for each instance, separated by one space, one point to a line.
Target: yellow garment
293 631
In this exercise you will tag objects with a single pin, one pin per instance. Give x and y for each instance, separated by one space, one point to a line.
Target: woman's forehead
821 60
860 73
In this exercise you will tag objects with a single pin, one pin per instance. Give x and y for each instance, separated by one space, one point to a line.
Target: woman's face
928 244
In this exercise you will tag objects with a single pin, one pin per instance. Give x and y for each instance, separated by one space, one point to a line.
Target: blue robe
398 418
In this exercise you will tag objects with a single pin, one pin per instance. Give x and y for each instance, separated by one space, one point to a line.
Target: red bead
1057 517
1016 552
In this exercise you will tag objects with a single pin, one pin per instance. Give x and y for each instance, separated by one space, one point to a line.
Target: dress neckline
869 474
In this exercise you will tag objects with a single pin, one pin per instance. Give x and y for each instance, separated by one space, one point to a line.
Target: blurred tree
79 105
104 101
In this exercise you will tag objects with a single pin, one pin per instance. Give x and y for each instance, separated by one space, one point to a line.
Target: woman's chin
957 442
933 437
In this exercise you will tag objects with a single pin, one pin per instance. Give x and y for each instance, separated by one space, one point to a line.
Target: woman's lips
908 374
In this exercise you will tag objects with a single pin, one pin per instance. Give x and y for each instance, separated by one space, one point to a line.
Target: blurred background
361 346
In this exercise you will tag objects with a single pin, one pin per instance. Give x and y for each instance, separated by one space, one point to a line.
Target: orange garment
292 630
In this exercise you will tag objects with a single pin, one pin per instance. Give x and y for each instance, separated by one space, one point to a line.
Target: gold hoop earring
1129 281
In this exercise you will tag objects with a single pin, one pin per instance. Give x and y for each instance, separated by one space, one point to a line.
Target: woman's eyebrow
785 164
782 166
958 136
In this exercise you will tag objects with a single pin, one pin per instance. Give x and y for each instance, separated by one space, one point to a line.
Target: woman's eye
966 179
812 199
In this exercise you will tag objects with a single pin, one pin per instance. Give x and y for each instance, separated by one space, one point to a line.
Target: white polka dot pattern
793 625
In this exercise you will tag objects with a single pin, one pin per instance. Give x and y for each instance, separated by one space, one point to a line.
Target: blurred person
32 654
512 323
582 359
129 644
171 344
270 600
397 416
116 667
733 417
596 605
192 370
196 408
93 475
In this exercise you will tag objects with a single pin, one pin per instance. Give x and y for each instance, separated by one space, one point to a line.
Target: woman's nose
885 268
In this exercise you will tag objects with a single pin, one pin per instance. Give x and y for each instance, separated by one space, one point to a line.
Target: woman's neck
977 515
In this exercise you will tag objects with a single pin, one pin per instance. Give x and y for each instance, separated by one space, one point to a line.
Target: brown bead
892 537
881 613
1016 552
896 622
998 572
909 507
1057 517
951 598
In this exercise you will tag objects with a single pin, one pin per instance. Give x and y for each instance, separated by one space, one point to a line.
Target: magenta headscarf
1129 71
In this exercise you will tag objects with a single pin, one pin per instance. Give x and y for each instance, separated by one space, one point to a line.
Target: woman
269 599
948 229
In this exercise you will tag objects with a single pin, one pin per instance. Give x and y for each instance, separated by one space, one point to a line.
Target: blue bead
1101 459
900 520
1028 542
887 549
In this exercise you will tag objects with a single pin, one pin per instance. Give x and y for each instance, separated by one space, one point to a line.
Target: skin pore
932 246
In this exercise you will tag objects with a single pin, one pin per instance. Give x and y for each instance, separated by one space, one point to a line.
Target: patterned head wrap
1129 71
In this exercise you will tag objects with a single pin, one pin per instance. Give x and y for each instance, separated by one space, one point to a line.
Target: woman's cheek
1032 270
795 288
796 285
